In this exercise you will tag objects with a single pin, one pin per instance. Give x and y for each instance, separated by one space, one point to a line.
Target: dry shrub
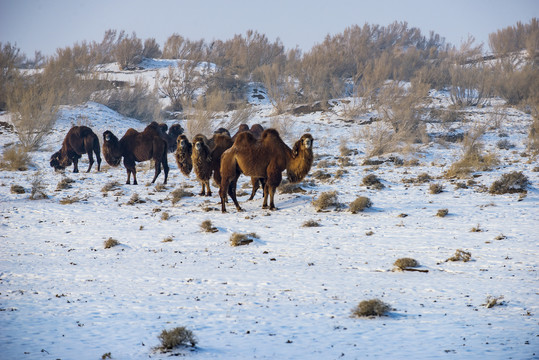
360 204
65 183
135 199
290 188
207 226
160 187
37 191
178 194
405 263
237 239
136 101
325 200
15 158
179 336
165 216
493 301
533 135
436 188
321 175
514 182
110 186
110 243
344 149
461 255
368 308
372 181
504 144
379 139
167 239
442 212
70 200
17 189
472 159
311 223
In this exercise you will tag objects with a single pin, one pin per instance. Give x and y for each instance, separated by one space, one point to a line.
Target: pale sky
46 25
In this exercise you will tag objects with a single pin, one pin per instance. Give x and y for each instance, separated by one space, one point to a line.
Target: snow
289 294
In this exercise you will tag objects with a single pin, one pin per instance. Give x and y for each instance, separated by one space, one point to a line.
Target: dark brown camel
182 155
174 131
264 158
79 140
136 147
202 160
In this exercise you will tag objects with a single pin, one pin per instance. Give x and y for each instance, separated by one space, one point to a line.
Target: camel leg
165 166
232 193
222 195
75 165
157 170
130 167
255 184
88 146
208 189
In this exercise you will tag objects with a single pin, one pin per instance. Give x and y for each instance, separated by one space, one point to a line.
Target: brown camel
174 131
136 147
265 158
221 142
79 140
202 160
182 155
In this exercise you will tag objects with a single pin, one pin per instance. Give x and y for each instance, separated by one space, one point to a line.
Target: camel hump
222 140
245 139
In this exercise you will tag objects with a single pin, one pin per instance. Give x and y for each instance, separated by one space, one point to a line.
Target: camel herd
255 152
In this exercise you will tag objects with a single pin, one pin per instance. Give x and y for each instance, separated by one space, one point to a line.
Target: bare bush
237 239
137 101
207 226
17 189
37 191
368 308
179 336
372 181
151 49
33 107
514 182
15 158
128 52
180 83
360 204
326 200
110 243
461 255
405 263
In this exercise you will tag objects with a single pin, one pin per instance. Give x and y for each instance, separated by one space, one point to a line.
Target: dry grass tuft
207 226
65 183
493 301
110 243
165 216
311 223
17 189
237 239
15 158
167 239
179 194
70 200
110 186
360 204
38 187
325 200
442 212
461 255
514 182
368 308
135 199
372 181
405 263
436 188
179 336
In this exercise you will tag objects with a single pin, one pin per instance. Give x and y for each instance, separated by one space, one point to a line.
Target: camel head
175 130
305 143
59 162
111 149
183 143
199 142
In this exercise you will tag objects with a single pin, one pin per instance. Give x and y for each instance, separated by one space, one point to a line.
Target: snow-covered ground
289 294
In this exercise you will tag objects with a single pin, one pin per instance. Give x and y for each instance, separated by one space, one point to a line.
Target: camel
183 153
78 140
136 147
202 163
242 128
265 158
174 131
221 142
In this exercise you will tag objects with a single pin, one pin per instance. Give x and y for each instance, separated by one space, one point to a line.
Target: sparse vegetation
237 239
436 188
372 181
177 337
37 191
65 183
207 226
326 200
15 158
178 194
135 199
442 213
311 223
165 216
460 255
110 186
370 308
360 204
110 242
17 189
514 182
405 263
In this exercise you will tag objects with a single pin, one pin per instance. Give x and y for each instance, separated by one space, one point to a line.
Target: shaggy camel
136 147
174 131
79 140
265 158
202 163
221 142
182 155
